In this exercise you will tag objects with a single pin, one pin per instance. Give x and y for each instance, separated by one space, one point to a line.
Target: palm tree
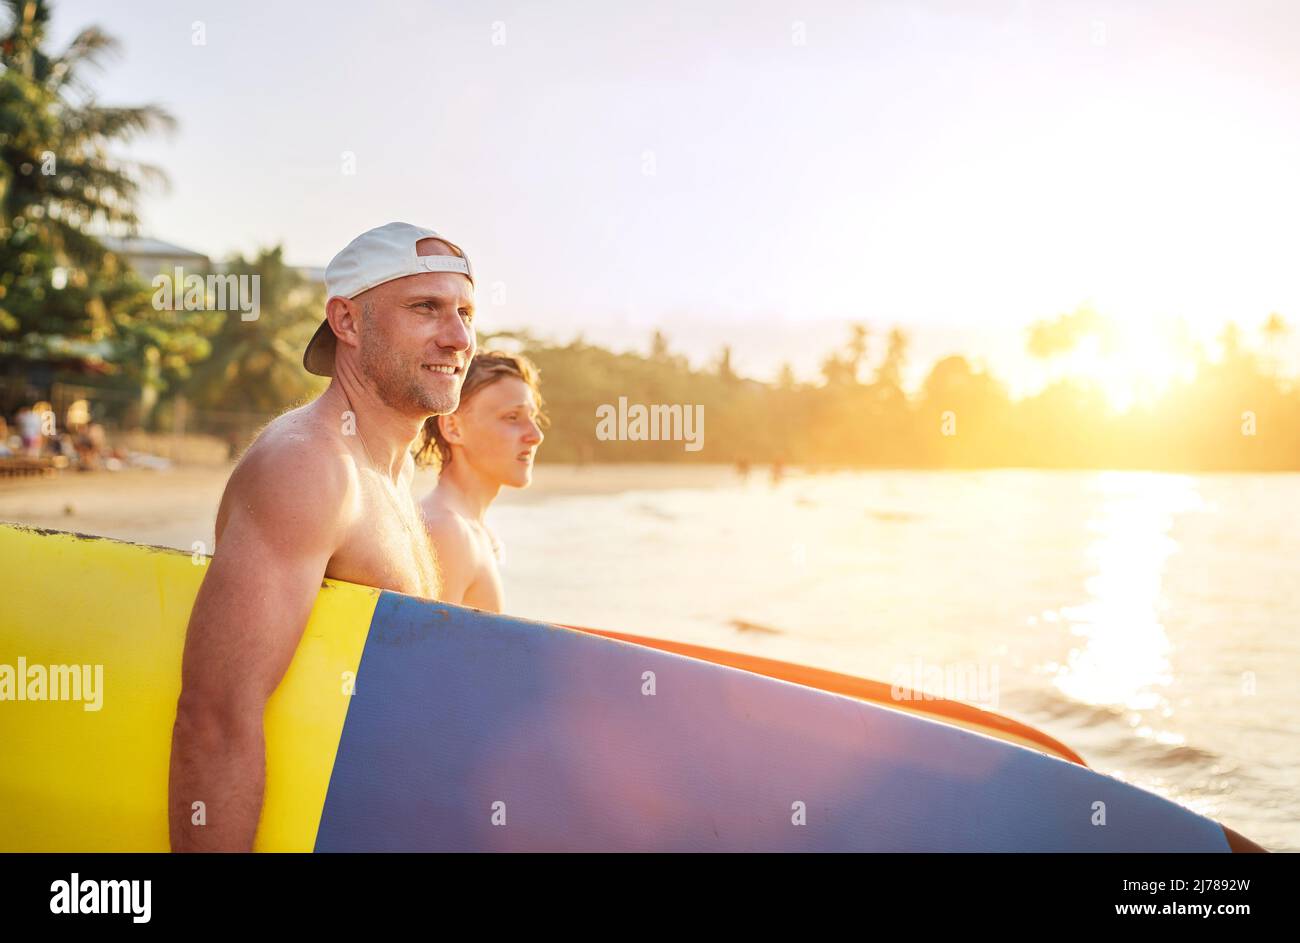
890 373
1275 332
858 342
255 366
59 184
725 371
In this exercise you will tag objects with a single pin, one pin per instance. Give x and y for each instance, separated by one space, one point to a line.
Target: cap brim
318 358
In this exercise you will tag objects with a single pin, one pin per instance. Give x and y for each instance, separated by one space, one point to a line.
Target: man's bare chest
387 546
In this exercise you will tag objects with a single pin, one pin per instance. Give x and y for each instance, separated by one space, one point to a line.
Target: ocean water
1151 621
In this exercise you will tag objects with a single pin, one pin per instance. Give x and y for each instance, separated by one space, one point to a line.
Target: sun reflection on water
1124 659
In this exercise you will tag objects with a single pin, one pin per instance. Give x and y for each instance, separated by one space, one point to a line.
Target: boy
489 441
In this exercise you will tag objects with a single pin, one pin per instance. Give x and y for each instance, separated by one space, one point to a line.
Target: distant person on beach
488 443
323 491
90 446
28 422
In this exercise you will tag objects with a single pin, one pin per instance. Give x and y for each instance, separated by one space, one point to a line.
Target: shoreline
177 507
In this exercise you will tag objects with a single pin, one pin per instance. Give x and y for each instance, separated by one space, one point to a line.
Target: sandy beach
176 507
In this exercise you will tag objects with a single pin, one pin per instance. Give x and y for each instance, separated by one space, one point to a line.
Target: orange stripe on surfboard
951 712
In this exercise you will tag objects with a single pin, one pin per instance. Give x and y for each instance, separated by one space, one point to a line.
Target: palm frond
97 122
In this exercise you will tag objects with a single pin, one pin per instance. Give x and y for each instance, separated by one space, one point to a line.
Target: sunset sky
762 172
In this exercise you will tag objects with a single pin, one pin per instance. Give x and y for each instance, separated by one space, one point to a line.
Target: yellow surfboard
78 775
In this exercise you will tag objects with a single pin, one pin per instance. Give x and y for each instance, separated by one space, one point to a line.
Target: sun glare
1131 363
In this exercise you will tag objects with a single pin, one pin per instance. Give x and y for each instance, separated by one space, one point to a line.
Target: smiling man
324 490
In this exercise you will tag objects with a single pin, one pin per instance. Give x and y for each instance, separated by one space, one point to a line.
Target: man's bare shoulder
298 467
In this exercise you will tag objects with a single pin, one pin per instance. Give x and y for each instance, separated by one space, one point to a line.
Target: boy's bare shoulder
445 524
454 536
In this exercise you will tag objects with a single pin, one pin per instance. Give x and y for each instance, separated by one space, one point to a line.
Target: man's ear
344 315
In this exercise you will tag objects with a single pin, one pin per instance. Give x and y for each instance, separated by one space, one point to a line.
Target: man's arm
287 513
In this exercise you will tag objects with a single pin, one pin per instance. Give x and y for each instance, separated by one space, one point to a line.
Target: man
324 490
487 443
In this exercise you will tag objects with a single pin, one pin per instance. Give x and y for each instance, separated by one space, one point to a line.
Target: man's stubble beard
393 382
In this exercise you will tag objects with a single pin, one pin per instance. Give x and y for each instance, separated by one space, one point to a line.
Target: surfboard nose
1238 842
